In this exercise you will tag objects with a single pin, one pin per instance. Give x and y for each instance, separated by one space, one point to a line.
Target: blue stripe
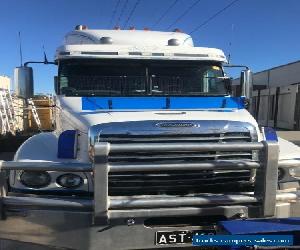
66 147
270 134
96 103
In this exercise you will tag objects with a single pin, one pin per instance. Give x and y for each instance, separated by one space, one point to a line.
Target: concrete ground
13 245
292 136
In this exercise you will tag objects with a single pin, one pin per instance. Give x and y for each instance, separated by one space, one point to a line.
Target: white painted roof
134 44
127 37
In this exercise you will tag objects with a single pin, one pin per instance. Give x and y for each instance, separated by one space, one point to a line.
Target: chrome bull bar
265 184
107 207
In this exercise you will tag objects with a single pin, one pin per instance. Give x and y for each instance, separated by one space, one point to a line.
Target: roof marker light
177 30
146 29
81 27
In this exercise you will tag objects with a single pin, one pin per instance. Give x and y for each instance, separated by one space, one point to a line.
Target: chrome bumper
69 223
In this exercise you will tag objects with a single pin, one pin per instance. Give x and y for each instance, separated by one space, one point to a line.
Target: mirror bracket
39 62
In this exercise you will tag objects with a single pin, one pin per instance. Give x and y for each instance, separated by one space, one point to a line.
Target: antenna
230 44
41 62
20 46
45 56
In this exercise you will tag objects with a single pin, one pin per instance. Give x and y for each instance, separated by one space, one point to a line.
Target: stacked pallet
44 109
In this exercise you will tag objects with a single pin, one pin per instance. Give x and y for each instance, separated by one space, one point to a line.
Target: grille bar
204 165
153 201
174 176
184 147
212 138
178 156
159 182
179 190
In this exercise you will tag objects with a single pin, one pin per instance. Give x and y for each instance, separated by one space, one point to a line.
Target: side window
63 82
211 82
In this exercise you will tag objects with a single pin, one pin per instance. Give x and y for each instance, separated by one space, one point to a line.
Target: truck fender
42 147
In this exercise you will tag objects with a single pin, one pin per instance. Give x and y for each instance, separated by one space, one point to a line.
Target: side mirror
56 84
246 83
23 81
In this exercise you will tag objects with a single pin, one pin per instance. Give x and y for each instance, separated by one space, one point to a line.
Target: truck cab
149 143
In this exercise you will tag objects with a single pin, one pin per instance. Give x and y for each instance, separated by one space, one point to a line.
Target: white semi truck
150 148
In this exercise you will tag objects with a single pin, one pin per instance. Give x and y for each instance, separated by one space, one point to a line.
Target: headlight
70 180
35 179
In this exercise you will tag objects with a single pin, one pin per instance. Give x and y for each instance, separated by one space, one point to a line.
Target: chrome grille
214 137
178 182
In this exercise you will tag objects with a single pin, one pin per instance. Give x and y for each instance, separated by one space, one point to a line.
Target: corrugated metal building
276 96
283 75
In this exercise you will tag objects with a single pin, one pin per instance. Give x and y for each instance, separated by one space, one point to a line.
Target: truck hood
74 116
71 116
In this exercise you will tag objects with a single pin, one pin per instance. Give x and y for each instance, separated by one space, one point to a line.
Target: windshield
140 78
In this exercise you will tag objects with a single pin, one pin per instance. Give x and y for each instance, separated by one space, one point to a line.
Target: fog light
69 180
295 172
35 179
